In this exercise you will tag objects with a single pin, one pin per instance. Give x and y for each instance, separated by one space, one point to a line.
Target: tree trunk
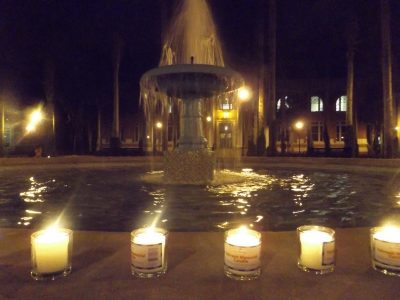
99 137
327 142
350 139
259 108
2 129
49 90
271 106
283 127
116 135
388 105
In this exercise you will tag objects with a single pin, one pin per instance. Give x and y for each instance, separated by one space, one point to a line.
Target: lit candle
242 253
148 252
51 253
385 249
317 249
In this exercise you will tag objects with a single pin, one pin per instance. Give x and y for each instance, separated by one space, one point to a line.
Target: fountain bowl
188 81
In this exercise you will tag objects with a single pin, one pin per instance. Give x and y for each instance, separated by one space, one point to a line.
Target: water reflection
237 198
155 212
397 199
266 199
301 186
34 195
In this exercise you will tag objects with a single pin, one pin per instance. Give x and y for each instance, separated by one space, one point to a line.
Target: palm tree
389 139
351 146
49 90
115 134
259 108
271 107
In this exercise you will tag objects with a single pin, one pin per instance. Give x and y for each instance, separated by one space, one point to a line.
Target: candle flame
243 237
389 233
391 230
243 229
52 228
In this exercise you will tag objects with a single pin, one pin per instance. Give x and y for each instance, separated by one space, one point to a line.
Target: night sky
78 37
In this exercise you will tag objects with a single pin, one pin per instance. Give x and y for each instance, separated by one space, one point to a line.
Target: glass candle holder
385 249
242 254
316 249
148 252
51 252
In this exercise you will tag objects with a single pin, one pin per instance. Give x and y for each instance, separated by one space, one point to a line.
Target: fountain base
184 166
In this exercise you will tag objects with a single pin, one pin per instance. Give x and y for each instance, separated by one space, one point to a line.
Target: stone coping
101 270
155 162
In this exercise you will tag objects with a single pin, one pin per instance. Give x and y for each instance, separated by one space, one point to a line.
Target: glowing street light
30 128
159 125
36 116
299 125
244 93
34 119
208 119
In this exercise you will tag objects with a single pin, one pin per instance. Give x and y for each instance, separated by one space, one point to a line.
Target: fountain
191 71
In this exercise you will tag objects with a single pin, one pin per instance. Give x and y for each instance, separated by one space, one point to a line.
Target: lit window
341 103
225 104
317 104
340 131
317 129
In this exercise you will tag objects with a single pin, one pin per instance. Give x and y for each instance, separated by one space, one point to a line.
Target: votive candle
148 255
51 253
316 249
242 253
385 249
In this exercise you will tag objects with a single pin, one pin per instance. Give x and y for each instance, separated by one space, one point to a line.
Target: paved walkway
101 270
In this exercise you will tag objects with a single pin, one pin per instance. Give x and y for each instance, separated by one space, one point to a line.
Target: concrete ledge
101 270
156 162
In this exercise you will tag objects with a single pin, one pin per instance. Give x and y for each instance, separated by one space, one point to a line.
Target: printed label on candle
387 253
328 253
242 258
147 257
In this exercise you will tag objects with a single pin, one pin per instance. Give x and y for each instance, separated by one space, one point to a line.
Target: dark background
77 37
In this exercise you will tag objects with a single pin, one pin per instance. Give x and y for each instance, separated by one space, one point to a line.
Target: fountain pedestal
184 166
191 126
191 162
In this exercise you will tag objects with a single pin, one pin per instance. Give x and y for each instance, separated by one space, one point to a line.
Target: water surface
119 199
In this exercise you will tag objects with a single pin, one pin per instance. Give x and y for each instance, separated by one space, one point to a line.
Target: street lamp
299 125
159 125
244 93
34 119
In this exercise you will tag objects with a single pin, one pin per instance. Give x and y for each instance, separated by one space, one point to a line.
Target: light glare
244 93
299 125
